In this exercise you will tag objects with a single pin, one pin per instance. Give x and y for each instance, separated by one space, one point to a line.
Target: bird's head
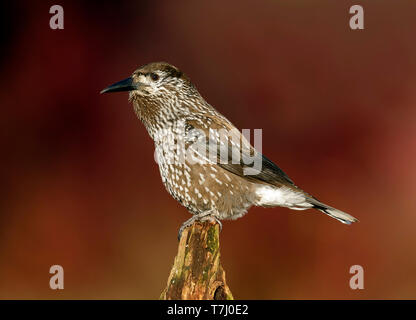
154 82
161 94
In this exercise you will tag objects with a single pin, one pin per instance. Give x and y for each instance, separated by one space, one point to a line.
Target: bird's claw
206 216
185 225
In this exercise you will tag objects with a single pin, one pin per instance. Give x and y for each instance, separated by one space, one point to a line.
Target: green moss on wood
197 272
213 239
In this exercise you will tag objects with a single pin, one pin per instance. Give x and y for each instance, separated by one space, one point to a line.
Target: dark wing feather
199 141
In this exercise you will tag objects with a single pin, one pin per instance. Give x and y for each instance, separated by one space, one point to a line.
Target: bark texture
197 273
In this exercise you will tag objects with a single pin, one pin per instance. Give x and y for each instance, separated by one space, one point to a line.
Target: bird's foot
202 217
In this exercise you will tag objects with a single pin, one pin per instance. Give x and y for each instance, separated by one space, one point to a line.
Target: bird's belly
203 187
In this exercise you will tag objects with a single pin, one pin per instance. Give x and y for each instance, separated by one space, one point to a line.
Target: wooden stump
197 273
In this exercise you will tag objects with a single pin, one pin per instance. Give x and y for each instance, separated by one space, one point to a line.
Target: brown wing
235 154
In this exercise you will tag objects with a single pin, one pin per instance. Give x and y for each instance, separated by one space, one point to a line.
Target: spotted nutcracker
212 177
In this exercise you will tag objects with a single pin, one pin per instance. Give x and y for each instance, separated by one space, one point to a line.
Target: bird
205 162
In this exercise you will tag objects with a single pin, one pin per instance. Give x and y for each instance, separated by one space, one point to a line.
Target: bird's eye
154 76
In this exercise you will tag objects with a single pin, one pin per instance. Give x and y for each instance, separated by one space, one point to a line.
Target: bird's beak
123 85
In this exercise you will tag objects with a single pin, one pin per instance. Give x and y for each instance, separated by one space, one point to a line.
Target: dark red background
80 188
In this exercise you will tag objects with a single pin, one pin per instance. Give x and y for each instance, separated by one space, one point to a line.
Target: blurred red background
80 188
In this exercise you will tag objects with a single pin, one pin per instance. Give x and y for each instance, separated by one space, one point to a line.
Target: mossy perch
197 273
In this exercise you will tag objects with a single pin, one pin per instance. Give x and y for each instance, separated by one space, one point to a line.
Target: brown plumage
205 162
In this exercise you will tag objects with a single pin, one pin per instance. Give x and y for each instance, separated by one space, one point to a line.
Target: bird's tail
332 212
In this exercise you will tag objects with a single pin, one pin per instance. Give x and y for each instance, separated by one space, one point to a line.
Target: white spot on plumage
202 177
284 197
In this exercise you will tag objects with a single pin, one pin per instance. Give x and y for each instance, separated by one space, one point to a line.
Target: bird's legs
204 216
